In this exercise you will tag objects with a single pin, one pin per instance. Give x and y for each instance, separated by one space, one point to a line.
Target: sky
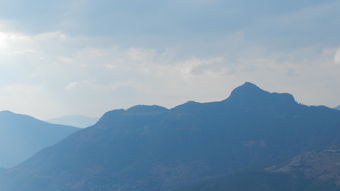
88 57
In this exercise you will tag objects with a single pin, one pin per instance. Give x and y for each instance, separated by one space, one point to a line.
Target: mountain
338 108
260 181
309 171
322 165
21 136
151 148
74 120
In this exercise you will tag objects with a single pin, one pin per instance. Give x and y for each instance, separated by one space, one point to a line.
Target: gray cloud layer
86 57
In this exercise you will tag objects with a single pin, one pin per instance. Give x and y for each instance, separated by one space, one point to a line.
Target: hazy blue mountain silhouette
74 120
21 136
151 148
338 108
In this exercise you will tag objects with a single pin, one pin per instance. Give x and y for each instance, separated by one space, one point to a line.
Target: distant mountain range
151 148
338 108
74 120
21 136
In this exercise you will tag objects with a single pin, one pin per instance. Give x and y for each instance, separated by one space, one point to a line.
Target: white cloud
138 54
50 35
65 59
72 86
337 56
57 74
9 40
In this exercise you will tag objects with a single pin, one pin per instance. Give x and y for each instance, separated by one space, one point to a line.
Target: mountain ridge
21 136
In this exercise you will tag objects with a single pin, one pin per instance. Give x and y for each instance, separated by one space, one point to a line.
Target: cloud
72 86
337 56
65 59
9 40
28 99
137 54
91 78
78 64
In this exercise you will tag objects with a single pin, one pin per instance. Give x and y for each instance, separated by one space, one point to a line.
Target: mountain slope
317 170
322 165
260 181
152 148
74 120
22 136
338 108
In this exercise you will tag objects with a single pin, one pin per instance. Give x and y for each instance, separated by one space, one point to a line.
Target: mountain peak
249 85
249 93
247 89
6 112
